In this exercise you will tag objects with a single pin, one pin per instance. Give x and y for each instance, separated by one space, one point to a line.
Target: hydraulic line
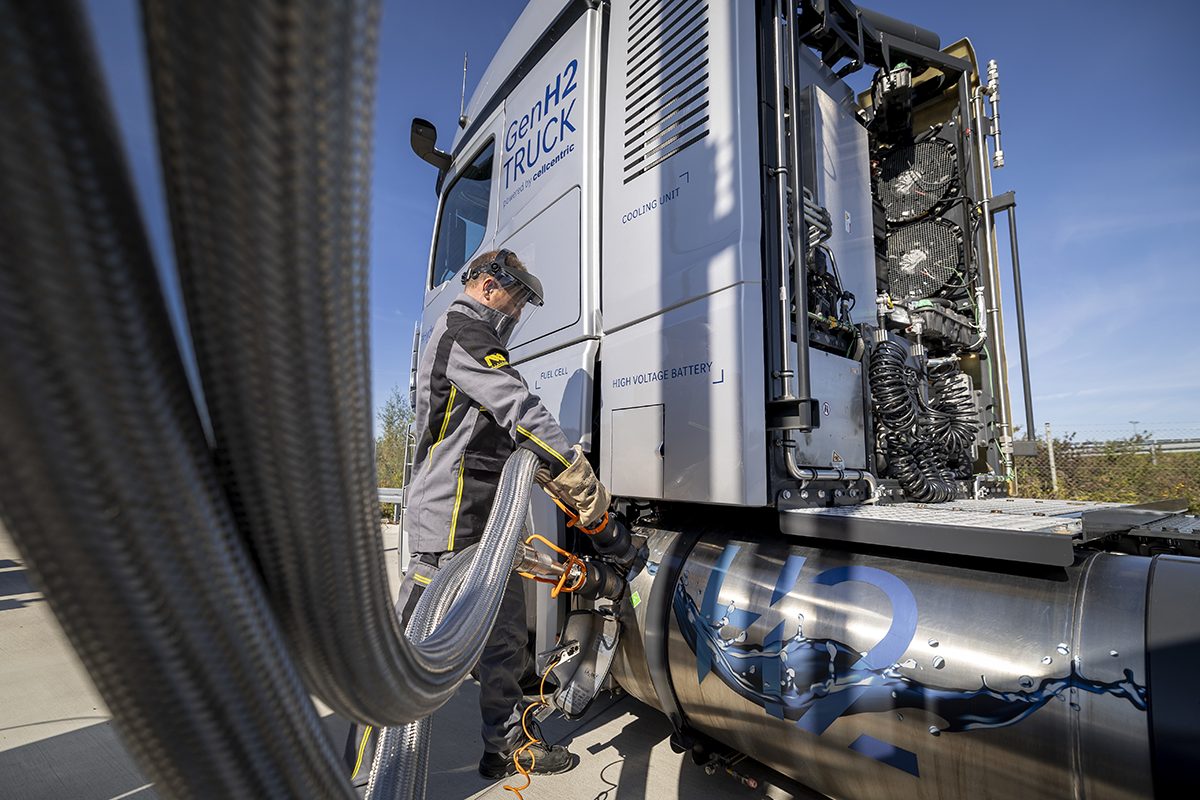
106 482
955 421
265 117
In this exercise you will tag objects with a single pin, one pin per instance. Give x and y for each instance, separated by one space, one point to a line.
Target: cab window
464 217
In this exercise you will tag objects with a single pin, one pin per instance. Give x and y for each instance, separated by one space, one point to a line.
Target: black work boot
539 759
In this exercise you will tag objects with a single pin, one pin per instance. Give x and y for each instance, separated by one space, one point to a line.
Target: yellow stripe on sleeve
522 430
361 749
421 579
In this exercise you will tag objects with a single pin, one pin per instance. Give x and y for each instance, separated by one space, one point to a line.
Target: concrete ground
57 741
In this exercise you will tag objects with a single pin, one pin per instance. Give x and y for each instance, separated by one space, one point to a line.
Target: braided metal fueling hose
181 578
106 482
401 765
264 113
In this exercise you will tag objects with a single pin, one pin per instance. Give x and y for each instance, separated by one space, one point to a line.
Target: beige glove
577 487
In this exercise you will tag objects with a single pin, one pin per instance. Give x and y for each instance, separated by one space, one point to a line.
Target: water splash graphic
809 669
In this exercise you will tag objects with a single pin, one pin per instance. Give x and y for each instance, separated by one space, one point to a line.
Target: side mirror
424 143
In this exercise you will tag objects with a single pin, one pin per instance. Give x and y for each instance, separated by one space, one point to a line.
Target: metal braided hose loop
400 768
263 124
265 115
143 567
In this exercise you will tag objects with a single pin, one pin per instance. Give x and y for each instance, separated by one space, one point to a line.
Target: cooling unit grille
666 83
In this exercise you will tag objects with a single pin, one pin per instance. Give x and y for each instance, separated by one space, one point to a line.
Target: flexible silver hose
401 765
201 576
268 177
143 566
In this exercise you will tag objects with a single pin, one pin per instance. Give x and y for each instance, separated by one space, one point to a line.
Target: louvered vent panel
666 83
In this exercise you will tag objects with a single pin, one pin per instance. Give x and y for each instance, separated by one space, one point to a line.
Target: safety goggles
522 286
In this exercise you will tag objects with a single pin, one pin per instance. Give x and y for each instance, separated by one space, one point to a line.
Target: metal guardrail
395 498
1147 446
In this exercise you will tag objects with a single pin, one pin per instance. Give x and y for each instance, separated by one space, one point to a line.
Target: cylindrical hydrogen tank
865 676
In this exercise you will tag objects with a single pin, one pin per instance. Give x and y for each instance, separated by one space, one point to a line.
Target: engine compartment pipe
144 568
799 243
808 474
780 174
994 344
268 178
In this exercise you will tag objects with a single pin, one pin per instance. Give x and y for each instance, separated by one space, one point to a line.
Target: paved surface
56 740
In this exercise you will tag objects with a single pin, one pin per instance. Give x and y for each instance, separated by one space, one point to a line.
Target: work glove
577 487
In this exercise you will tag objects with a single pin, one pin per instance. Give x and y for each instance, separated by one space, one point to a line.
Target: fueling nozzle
589 578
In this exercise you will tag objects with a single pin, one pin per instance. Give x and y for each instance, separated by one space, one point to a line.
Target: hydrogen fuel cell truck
773 320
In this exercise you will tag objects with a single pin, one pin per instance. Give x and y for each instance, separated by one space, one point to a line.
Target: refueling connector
609 537
589 578
601 580
613 541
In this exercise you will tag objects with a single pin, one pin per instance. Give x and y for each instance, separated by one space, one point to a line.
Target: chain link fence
1137 464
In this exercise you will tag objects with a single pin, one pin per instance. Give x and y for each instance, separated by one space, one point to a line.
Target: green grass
1117 474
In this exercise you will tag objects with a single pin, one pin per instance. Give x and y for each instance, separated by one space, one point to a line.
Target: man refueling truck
772 320
771 323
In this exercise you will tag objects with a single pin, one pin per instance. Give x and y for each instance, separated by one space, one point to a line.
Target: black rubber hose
892 388
106 482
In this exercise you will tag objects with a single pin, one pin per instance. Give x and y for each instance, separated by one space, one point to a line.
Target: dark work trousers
505 658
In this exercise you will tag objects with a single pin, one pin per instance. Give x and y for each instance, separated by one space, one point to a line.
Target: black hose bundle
920 438
893 388
957 421
106 482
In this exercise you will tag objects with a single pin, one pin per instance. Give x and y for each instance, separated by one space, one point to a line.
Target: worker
473 409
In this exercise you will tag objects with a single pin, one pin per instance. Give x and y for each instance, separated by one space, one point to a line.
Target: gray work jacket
473 409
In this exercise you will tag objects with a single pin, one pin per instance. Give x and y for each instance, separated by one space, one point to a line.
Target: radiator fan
923 257
915 178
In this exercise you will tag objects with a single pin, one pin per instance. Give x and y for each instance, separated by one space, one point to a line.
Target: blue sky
1100 132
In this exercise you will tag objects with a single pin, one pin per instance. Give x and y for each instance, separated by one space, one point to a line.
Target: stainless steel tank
865 676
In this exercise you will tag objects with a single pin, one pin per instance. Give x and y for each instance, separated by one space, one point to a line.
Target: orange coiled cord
541 701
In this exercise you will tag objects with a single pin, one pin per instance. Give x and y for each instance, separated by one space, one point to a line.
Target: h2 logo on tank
815 681
538 140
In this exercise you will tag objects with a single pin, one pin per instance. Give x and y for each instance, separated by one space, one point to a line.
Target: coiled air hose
956 421
917 435
186 582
